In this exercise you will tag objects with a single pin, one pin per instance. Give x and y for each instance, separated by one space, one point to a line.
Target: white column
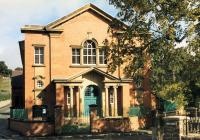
77 103
106 102
71 101
103 102
115 101
80 102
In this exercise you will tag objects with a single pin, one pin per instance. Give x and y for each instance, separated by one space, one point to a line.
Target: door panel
91 97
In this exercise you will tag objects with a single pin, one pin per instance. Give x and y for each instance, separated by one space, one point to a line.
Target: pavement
4 103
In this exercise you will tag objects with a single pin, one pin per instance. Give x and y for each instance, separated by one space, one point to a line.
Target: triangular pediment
96 70
52 27
78 12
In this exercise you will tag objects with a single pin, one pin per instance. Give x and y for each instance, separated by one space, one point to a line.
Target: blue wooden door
91 97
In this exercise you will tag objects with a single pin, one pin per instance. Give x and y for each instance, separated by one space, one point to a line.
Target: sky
14 14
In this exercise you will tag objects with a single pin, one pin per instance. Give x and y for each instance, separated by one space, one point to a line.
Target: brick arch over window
89 52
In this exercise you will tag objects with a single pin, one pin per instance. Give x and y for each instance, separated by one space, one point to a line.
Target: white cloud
17 13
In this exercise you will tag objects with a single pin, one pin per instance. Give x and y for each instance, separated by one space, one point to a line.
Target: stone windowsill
88 66
38 89
38 65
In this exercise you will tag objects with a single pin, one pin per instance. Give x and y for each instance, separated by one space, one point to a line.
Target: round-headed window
40 84
89 52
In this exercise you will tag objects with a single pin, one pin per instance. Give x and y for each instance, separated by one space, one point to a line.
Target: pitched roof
80 11
17 72
50 27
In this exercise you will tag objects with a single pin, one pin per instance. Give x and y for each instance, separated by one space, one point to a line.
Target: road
5 133
4 115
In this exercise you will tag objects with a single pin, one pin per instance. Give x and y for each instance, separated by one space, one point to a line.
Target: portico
91 87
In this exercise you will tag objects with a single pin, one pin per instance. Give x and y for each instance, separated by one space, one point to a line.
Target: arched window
89 52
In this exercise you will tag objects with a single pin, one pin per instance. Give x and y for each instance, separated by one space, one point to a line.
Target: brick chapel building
64 65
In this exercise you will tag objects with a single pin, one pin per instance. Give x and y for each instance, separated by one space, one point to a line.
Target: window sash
39 55
89 53
75 56
102 59
40 84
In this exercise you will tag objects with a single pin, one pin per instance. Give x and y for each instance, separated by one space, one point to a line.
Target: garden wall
31 128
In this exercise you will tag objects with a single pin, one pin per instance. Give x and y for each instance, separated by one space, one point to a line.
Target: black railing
193 120
18 114
194 125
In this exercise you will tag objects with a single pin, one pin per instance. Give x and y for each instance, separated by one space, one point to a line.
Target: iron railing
194 125
193 121
21 114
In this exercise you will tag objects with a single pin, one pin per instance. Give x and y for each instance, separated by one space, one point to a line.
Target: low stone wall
114 124
31 128
111 125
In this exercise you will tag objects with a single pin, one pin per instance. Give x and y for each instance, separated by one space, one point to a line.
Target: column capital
115 86
107 86
71 87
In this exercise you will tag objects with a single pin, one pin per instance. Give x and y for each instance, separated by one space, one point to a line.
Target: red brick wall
31 128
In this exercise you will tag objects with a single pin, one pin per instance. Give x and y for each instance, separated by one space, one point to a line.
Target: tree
4 71
159 26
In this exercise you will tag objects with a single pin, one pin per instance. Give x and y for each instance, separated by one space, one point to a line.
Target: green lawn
5 88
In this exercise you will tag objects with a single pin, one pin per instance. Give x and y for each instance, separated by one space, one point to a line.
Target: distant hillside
5 88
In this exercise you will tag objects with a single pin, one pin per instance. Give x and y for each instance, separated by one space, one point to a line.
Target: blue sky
17 13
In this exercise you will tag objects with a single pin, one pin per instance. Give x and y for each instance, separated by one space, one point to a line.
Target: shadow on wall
111 125
47 97
32 128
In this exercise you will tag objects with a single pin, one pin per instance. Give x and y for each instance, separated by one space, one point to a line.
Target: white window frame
87 55
40 55
102 54
76 55
40 84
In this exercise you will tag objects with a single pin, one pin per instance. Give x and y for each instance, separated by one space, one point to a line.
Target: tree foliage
160 26
4 71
